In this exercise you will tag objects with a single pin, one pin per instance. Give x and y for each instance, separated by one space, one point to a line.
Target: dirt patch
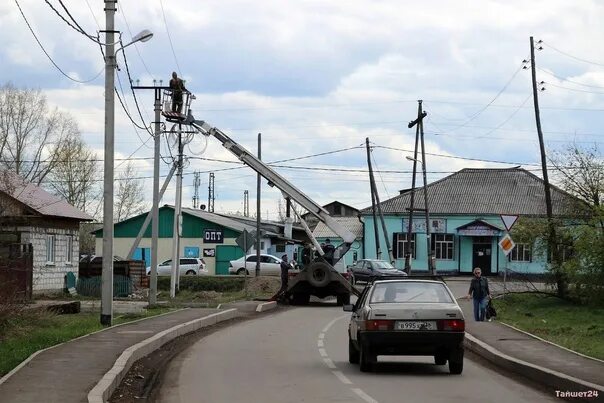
264 285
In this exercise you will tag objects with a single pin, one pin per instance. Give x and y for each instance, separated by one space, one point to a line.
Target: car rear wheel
190 273
353 353
241 272
456 361
366 359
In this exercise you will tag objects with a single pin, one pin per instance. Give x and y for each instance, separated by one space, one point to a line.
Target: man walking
480 294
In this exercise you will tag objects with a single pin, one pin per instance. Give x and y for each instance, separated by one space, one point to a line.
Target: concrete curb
106 386
541 375
553 344
32 356
266 306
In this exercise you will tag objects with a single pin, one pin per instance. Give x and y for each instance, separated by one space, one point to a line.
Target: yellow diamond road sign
507 244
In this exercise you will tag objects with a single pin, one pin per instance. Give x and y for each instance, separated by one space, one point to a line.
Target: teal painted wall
192 226
463 249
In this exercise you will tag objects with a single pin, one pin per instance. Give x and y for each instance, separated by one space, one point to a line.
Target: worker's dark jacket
284 271
177 87
479 288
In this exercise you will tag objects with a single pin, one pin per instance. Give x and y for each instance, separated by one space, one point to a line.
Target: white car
406 317
269 265
188 267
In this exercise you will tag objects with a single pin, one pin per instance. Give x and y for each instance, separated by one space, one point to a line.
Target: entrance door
224 254
482 257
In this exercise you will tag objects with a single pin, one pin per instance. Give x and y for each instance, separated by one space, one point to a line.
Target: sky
320 76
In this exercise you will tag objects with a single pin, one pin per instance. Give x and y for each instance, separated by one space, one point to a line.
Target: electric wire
169 37
569 80
572 56
132 89
48 55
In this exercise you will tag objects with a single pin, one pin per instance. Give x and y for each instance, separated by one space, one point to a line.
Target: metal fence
16 271
91 286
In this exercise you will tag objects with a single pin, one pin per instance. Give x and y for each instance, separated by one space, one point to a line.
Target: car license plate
414 325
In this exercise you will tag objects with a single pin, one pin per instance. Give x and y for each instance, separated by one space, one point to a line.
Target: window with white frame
522 252
443 246
69 256
50 249
402 246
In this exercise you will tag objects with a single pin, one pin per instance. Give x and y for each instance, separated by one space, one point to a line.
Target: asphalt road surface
301 355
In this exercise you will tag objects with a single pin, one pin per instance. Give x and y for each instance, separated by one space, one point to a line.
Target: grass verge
577 327
28 332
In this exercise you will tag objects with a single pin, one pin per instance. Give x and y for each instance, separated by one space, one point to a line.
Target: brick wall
50 276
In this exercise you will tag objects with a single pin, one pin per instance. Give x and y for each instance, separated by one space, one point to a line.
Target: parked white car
269 265
188 267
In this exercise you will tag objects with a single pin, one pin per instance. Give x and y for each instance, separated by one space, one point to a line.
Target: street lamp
414 159
110 65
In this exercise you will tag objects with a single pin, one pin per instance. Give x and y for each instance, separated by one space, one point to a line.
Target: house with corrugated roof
31 215
206 235
465 222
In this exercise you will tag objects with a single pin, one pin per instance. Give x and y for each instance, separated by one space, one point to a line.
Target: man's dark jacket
479 288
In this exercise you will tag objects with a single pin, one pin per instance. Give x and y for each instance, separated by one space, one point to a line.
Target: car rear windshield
382 264
409 291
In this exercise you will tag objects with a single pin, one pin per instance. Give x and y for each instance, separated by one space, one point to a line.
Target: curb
266 306
33 355
101 392
544 376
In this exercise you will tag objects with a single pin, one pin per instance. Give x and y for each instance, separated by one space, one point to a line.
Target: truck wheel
353 353
343 299
318 274
366 359
456 361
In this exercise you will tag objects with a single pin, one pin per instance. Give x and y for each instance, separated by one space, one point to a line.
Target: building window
522 252
50 249
443 246
69 256
402 246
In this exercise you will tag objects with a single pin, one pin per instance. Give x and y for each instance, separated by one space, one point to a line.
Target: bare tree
31 133
129 197
73 177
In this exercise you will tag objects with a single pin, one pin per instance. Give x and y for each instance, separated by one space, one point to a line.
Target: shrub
204 283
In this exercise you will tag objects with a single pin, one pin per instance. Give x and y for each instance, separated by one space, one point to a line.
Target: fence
16 271
128 276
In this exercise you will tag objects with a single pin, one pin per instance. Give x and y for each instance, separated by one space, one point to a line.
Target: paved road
301 355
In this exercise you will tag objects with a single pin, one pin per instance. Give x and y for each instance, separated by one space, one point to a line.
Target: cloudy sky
318 76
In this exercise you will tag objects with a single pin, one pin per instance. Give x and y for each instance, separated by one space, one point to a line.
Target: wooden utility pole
375 224
552 249
410 226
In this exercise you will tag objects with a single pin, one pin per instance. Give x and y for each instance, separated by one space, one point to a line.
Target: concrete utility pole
107 270
156 198
177 220
409 252
258 232
246 203
196 183
211 196
552 241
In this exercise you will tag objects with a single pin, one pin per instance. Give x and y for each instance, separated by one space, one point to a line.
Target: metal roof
474 191
224 221
352 224
38 199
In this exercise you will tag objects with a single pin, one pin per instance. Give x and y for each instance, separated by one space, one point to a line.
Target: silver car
406 317
188 267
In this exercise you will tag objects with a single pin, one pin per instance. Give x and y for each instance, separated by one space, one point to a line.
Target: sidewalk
78 365
526 348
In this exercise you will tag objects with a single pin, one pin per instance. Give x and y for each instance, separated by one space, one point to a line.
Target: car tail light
452 325
379 324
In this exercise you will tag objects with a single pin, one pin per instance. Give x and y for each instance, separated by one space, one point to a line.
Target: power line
135 45
572 56
572 89
169 37
49 57
568 80
132 89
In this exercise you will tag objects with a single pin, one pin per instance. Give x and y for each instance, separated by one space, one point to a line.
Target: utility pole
196 184
177 220
409 252
156 198
379 206
552 242
258 212
375 224
246 203
107 265
211 193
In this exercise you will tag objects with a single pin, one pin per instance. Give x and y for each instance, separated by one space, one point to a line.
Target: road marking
330 324
364 395
320 343
329 363
323 352
342 377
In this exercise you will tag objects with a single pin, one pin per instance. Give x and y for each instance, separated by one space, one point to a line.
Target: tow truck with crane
319 277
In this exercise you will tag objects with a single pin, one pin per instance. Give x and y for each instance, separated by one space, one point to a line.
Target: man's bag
491 312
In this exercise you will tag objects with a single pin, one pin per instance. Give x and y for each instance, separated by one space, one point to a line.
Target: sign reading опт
213 236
